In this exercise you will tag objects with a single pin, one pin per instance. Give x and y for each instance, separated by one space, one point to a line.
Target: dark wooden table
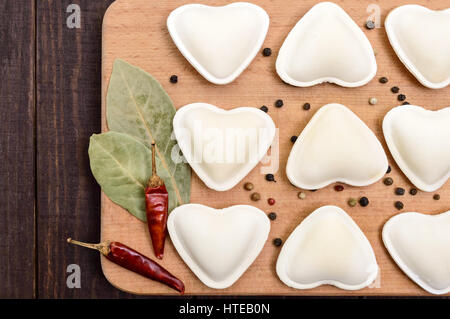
50 105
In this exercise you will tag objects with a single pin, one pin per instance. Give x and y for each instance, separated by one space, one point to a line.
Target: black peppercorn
395 89
267 51
364 201
306 106
436 197
401 97
383 80
398 205
405 103
279 103
389 169
293 138
370 25
399 191
270 178
277 242
174 79
413 191
264 108
272 216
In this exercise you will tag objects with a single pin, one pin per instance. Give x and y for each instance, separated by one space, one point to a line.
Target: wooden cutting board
135 30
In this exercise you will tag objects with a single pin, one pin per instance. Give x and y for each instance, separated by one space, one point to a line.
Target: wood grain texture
17 187
130 34
68 112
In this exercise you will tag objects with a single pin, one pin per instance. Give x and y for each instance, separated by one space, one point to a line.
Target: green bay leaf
122 166
137 105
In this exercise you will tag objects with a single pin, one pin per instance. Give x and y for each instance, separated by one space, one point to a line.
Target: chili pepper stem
155 180
101 247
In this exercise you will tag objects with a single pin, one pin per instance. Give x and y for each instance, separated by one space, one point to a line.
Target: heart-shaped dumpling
222 146
327 248
326 45
421 39
420 245
419 141
335 146
219 42
218 245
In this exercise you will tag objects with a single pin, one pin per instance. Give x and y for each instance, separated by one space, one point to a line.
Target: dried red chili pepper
130 259
156 204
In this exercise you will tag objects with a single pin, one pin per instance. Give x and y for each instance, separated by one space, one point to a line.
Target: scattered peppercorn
313 190
401 97
255 197
338 188
267 51
277 242
383 80
264 108
399 191
248 186
388 181
395 89
306 106
293 138
413 191
271 201
272 216
352 202
363 201
174 79
405 103
399 205
436 197
279 103
370 25
389 169
373 101
301 195
270 178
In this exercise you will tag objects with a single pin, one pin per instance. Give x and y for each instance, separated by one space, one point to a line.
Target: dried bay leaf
137 105
122 166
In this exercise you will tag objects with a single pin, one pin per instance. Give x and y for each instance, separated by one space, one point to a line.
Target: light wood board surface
135 30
